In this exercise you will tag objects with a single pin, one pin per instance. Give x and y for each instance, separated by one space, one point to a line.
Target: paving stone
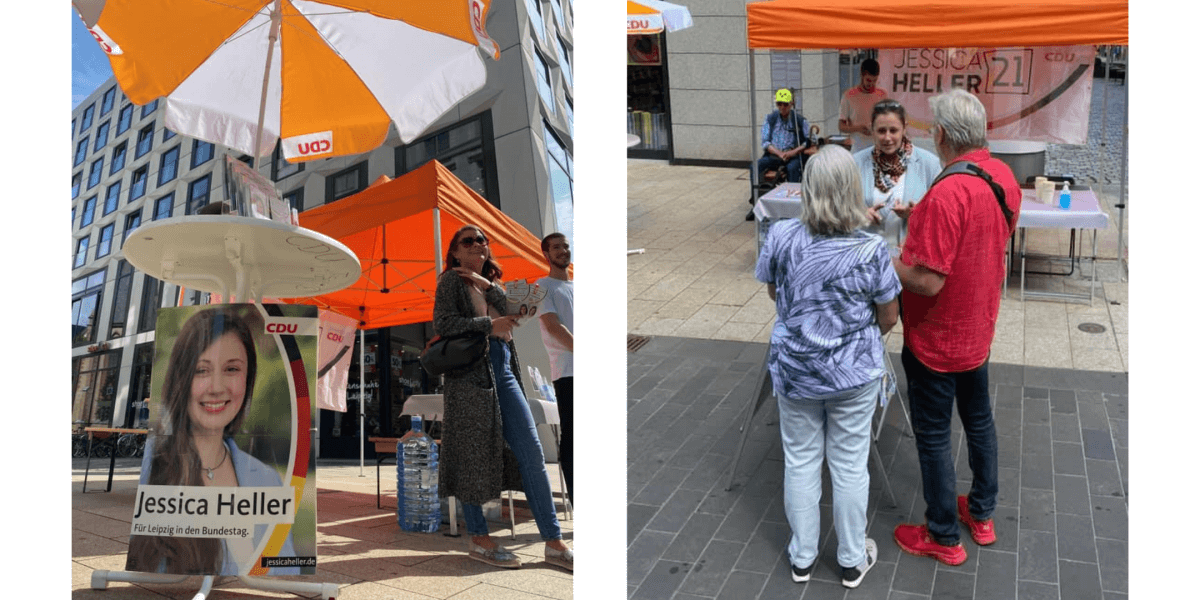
636 517
779 585
1007 396
996 578
1110 517
914 574
1008 450
1117 405
1078 581
1071 495
1114 565
1007 524
1036 411
644 553
1037 471
742 584
1068 459
662 581
766 548
691 540
1120 432
1035 439
1032 590
1097 443
664 484
1064 427
1008 420
906 596
1037 393
1104 478
677 510
954 586
743 518
1037 510
1075 540
708 573
1062 401
1037 558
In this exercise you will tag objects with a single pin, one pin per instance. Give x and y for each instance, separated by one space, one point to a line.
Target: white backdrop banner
1037 93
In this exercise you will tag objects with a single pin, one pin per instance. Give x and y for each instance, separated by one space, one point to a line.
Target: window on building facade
162 206
81 249
137 184
112 197
123 290
125 119
295 199
94 379
87 118
198 194
145 140
76 181
139 384
101 136
534 8
465 149
89 211
152 290
96 172
168 165
148 109
106 103
543 80
118 160
564 62
561 182
167 134
346 182
85 307
281 168
80 152
202 152
569 112
104 244
132 221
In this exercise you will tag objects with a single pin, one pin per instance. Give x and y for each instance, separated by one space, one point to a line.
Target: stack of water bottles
418 508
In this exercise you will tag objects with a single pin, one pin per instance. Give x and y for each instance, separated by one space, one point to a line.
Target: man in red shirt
952 271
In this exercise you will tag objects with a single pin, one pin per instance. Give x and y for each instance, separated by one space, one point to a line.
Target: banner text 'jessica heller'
199 511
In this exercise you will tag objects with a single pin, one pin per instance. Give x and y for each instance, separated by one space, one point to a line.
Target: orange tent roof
390 226
935 23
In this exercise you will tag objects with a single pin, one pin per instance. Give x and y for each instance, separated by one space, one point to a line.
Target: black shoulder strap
966 167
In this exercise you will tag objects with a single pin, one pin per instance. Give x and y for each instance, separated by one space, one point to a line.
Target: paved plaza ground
699 324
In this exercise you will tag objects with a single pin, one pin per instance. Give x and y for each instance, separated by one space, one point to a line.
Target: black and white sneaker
801 575
853 576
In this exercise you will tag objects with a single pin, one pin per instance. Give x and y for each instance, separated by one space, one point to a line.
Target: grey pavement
360 547
1061 520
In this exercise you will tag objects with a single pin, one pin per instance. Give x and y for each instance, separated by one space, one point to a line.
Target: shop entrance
648 97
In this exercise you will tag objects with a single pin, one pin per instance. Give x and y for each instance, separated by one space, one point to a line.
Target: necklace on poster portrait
223 457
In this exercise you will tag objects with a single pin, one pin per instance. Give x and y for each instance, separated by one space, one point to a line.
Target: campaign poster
334 351
1037 93
228 481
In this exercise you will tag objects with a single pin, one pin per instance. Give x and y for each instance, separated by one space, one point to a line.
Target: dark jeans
770 162
932 397
564 391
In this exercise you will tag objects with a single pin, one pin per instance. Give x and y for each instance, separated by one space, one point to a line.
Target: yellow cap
783 95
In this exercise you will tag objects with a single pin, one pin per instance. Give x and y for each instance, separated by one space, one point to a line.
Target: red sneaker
915 540
983 532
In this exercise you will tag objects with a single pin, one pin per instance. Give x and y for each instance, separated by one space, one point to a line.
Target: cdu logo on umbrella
106 43
309 144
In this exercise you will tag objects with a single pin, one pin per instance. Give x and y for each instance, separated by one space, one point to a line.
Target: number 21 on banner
1009 71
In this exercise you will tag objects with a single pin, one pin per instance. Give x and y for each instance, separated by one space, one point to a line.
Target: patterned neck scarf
890 165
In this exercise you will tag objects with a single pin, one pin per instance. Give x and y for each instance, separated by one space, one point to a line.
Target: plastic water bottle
418 508
1064 198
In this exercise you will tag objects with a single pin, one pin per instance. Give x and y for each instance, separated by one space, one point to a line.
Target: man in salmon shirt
952 272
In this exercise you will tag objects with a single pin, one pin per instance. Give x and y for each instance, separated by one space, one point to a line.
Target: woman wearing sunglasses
490 440
895 174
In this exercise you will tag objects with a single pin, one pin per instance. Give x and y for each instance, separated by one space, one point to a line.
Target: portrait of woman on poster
206 393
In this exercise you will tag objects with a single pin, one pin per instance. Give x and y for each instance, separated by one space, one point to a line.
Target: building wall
709 72
518 116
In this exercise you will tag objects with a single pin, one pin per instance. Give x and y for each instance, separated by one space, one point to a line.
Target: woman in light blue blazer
895 173
206 393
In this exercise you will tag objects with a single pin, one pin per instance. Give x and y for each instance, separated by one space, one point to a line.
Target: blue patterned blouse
826 337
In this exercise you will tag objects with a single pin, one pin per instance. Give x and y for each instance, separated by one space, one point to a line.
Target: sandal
564 559
499 556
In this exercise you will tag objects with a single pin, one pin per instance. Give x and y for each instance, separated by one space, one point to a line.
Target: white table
250 257
1085 213
782 202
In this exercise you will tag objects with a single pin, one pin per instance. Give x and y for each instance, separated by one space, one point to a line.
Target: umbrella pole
273 36
362 401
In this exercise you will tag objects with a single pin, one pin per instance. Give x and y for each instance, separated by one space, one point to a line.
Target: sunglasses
467 242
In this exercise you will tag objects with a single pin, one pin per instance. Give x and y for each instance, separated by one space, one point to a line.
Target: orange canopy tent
935 23
400 230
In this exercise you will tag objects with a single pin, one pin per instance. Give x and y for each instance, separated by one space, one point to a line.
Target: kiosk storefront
648 101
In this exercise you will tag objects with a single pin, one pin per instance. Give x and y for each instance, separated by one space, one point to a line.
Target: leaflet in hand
524 299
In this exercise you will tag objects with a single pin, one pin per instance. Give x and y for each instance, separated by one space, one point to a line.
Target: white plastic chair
544 413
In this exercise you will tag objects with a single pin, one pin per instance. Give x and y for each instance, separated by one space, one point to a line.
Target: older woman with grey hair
835 294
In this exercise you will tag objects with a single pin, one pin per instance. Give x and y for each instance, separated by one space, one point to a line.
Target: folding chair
887 391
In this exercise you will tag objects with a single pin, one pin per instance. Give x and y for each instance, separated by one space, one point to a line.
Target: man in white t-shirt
854 115
557 322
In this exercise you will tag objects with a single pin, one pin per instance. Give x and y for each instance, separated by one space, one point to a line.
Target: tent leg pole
362 401
753 138
1122 263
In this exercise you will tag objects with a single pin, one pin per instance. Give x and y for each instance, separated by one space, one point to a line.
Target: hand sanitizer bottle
1064 198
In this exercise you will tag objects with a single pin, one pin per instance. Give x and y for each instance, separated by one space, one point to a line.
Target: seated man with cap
784 138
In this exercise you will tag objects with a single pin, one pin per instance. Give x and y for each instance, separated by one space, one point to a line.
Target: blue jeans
520 432
770 162
834 429
931 398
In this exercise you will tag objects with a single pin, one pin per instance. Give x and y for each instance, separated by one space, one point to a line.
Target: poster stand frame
145 251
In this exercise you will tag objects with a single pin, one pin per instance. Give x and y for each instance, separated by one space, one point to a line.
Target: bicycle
131 445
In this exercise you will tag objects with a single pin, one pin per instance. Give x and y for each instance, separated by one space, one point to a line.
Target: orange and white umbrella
655 16
328 76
